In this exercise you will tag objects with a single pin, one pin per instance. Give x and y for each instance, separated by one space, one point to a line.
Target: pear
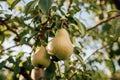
21 77
40 58
37 74
61 45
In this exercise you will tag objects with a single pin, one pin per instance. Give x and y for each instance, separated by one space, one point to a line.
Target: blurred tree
94 28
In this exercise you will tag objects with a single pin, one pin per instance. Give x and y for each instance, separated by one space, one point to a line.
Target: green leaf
23 40
60 3
80 59
117 27
7 34
110 65
81 27
24 32
50 71
117 31
119 61
112 11
71 18
106 27
20 54
2 37
16 69
10 1
77 50
76 8
2 64
101 16
8 16
10 59
45 5
14 3
44 19
29 7
37 43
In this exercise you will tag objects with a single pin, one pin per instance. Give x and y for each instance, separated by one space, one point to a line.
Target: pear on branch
37 74
40 58
61 45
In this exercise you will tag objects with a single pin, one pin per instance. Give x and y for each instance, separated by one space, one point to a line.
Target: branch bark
95 52
8 27
8 68
103 22
72 75
100 49
8 48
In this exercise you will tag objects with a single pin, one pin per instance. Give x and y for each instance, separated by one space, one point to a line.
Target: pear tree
59 39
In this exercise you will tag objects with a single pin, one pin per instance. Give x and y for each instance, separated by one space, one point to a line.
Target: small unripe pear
40 58
61 45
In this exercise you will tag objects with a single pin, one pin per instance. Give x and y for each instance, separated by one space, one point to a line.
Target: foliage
32 23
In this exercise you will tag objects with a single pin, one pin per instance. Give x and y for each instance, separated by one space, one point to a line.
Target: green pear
61 45
40 58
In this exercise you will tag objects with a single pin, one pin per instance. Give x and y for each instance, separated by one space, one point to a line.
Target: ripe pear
21 77
40 58
37 74
61 45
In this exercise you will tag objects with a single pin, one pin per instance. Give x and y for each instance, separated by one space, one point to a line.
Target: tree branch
8 48
95 52
100 49
72 75
8 27
8 68
103 22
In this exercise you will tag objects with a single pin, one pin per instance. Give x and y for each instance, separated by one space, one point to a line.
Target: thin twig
8 48
103 22
8 68
95 52
72 75
100 49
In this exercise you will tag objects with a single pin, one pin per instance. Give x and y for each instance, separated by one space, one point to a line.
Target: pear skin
40 58
61 45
